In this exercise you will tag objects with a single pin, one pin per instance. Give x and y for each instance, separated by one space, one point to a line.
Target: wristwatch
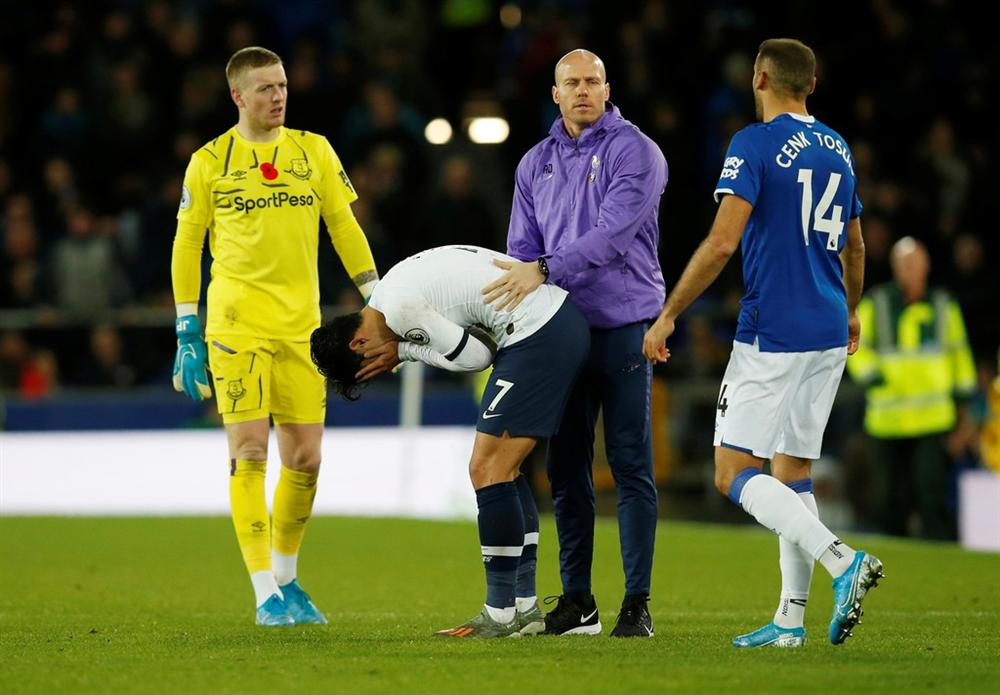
543 267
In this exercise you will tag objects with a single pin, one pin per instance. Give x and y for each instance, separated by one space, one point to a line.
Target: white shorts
777 402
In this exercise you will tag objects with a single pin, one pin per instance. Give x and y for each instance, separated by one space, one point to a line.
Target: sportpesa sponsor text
275 200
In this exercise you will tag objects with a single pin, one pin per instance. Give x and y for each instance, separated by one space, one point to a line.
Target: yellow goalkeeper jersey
261 204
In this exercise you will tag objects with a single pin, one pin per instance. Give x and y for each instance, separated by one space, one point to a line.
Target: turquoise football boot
274 613
301 606
849 590
772 636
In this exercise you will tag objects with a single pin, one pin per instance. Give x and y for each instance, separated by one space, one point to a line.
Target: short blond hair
247 59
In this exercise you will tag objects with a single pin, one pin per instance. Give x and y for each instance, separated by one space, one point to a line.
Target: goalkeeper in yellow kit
259 190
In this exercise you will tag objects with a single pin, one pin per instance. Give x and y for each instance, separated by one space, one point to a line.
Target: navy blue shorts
532 379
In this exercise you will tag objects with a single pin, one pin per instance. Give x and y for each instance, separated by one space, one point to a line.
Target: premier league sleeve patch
418 336
185 198
347 181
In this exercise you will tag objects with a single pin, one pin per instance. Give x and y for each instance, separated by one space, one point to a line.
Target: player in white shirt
430 307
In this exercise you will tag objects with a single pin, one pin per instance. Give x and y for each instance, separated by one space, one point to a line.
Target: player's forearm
351 244
854 275
701 271
185 266
186 308
473 357
853 258
712 254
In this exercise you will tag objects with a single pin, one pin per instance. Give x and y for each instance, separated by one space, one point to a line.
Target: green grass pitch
163 606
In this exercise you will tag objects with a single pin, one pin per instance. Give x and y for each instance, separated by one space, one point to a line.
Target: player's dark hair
247 59
791 65
330 348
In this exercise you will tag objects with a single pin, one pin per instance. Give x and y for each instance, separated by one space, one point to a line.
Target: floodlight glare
489 130
438 131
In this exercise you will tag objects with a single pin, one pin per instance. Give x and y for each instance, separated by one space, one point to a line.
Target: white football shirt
431 297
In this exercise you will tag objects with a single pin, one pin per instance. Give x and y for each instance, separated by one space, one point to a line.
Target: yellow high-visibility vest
916 360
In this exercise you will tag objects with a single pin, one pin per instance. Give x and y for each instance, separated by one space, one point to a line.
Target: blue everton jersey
799 176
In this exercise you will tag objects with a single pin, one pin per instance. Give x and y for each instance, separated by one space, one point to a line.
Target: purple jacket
589 206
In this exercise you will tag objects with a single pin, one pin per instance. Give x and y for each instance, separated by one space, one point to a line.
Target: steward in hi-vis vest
914 359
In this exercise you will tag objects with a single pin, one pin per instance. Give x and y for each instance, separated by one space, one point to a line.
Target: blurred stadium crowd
103 103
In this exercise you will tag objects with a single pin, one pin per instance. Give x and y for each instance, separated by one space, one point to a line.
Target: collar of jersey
798 117
253 143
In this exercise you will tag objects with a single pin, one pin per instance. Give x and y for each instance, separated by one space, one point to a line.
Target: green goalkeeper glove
192 354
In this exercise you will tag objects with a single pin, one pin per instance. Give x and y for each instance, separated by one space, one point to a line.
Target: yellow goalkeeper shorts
255 378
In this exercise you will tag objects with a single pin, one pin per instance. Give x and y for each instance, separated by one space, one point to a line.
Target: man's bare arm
701 271
853 258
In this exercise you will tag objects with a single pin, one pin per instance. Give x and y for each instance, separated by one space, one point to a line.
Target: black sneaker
573 615
634 619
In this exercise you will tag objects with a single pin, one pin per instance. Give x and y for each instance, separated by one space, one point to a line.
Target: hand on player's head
378 360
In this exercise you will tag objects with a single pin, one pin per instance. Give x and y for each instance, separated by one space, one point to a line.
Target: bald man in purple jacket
584 217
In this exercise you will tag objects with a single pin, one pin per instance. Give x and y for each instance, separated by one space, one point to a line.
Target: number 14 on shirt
832 225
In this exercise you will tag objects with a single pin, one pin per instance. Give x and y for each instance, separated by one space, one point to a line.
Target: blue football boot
301 606
849 590
274 613
772 636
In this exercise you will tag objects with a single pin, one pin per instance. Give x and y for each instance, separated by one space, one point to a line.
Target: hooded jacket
589 205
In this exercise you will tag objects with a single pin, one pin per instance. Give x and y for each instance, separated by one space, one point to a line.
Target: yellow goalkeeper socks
293 502
249 510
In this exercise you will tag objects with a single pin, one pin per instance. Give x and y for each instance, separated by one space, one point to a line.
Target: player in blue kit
788 190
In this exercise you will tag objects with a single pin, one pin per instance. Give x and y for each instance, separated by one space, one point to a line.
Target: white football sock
501 615
796 575
285 567
778 507
263 586
523 604
836 557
